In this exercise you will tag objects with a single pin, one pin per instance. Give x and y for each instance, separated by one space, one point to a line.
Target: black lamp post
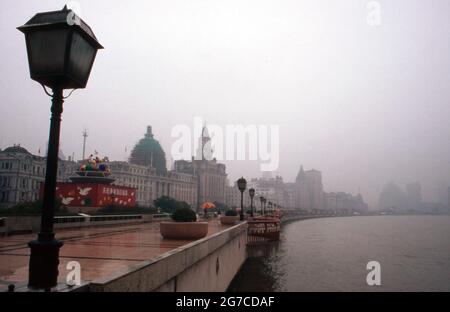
263 206
261 199
61 50
242 185
252 194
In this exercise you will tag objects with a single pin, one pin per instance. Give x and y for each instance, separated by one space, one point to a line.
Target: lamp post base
43 266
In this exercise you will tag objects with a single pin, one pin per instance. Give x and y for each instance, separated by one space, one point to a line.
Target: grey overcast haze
364 104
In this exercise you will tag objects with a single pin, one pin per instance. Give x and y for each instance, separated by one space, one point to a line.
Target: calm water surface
331 254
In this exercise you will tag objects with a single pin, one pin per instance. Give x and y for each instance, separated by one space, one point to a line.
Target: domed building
148 152
17 149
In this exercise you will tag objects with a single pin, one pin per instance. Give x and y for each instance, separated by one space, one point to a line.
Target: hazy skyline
364 104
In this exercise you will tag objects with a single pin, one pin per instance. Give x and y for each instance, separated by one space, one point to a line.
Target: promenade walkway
99 250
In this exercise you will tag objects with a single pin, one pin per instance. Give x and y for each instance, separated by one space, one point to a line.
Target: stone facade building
21 175
341 202
211 175
150 186
290 191
273 189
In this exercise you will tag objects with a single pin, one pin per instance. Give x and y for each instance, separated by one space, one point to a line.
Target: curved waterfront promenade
101 251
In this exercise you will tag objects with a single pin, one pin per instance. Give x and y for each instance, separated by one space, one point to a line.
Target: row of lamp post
61 50
242 186
263 205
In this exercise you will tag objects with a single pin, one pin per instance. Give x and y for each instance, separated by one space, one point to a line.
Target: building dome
148 152
16 149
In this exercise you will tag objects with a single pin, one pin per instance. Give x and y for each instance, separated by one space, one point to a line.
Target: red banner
94 195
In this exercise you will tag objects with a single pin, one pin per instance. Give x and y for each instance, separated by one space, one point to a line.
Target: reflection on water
260 272
331 255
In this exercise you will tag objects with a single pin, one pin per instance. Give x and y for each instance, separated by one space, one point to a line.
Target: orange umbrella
208 205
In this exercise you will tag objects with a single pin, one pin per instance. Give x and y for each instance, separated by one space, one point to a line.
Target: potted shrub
230 217
184 226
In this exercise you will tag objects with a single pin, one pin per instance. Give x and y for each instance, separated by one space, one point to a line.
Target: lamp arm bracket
45 90
51 95
65 97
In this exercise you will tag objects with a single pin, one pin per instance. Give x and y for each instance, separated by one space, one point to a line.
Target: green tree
220 207
169 205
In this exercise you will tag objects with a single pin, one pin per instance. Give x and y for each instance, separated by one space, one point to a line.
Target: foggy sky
365 105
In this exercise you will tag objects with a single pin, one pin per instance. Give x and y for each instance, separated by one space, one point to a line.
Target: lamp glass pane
81 58
47 51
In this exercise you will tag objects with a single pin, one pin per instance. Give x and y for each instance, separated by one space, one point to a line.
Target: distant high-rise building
414 197
309 190
392 199
443 194
448 199
302 198
306 193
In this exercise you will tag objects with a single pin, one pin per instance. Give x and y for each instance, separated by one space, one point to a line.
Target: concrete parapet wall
19 224
208 264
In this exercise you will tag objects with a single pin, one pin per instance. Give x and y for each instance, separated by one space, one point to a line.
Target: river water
331 254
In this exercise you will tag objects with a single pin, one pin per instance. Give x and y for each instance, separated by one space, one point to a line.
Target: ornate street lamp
61 51
242 185
252 194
